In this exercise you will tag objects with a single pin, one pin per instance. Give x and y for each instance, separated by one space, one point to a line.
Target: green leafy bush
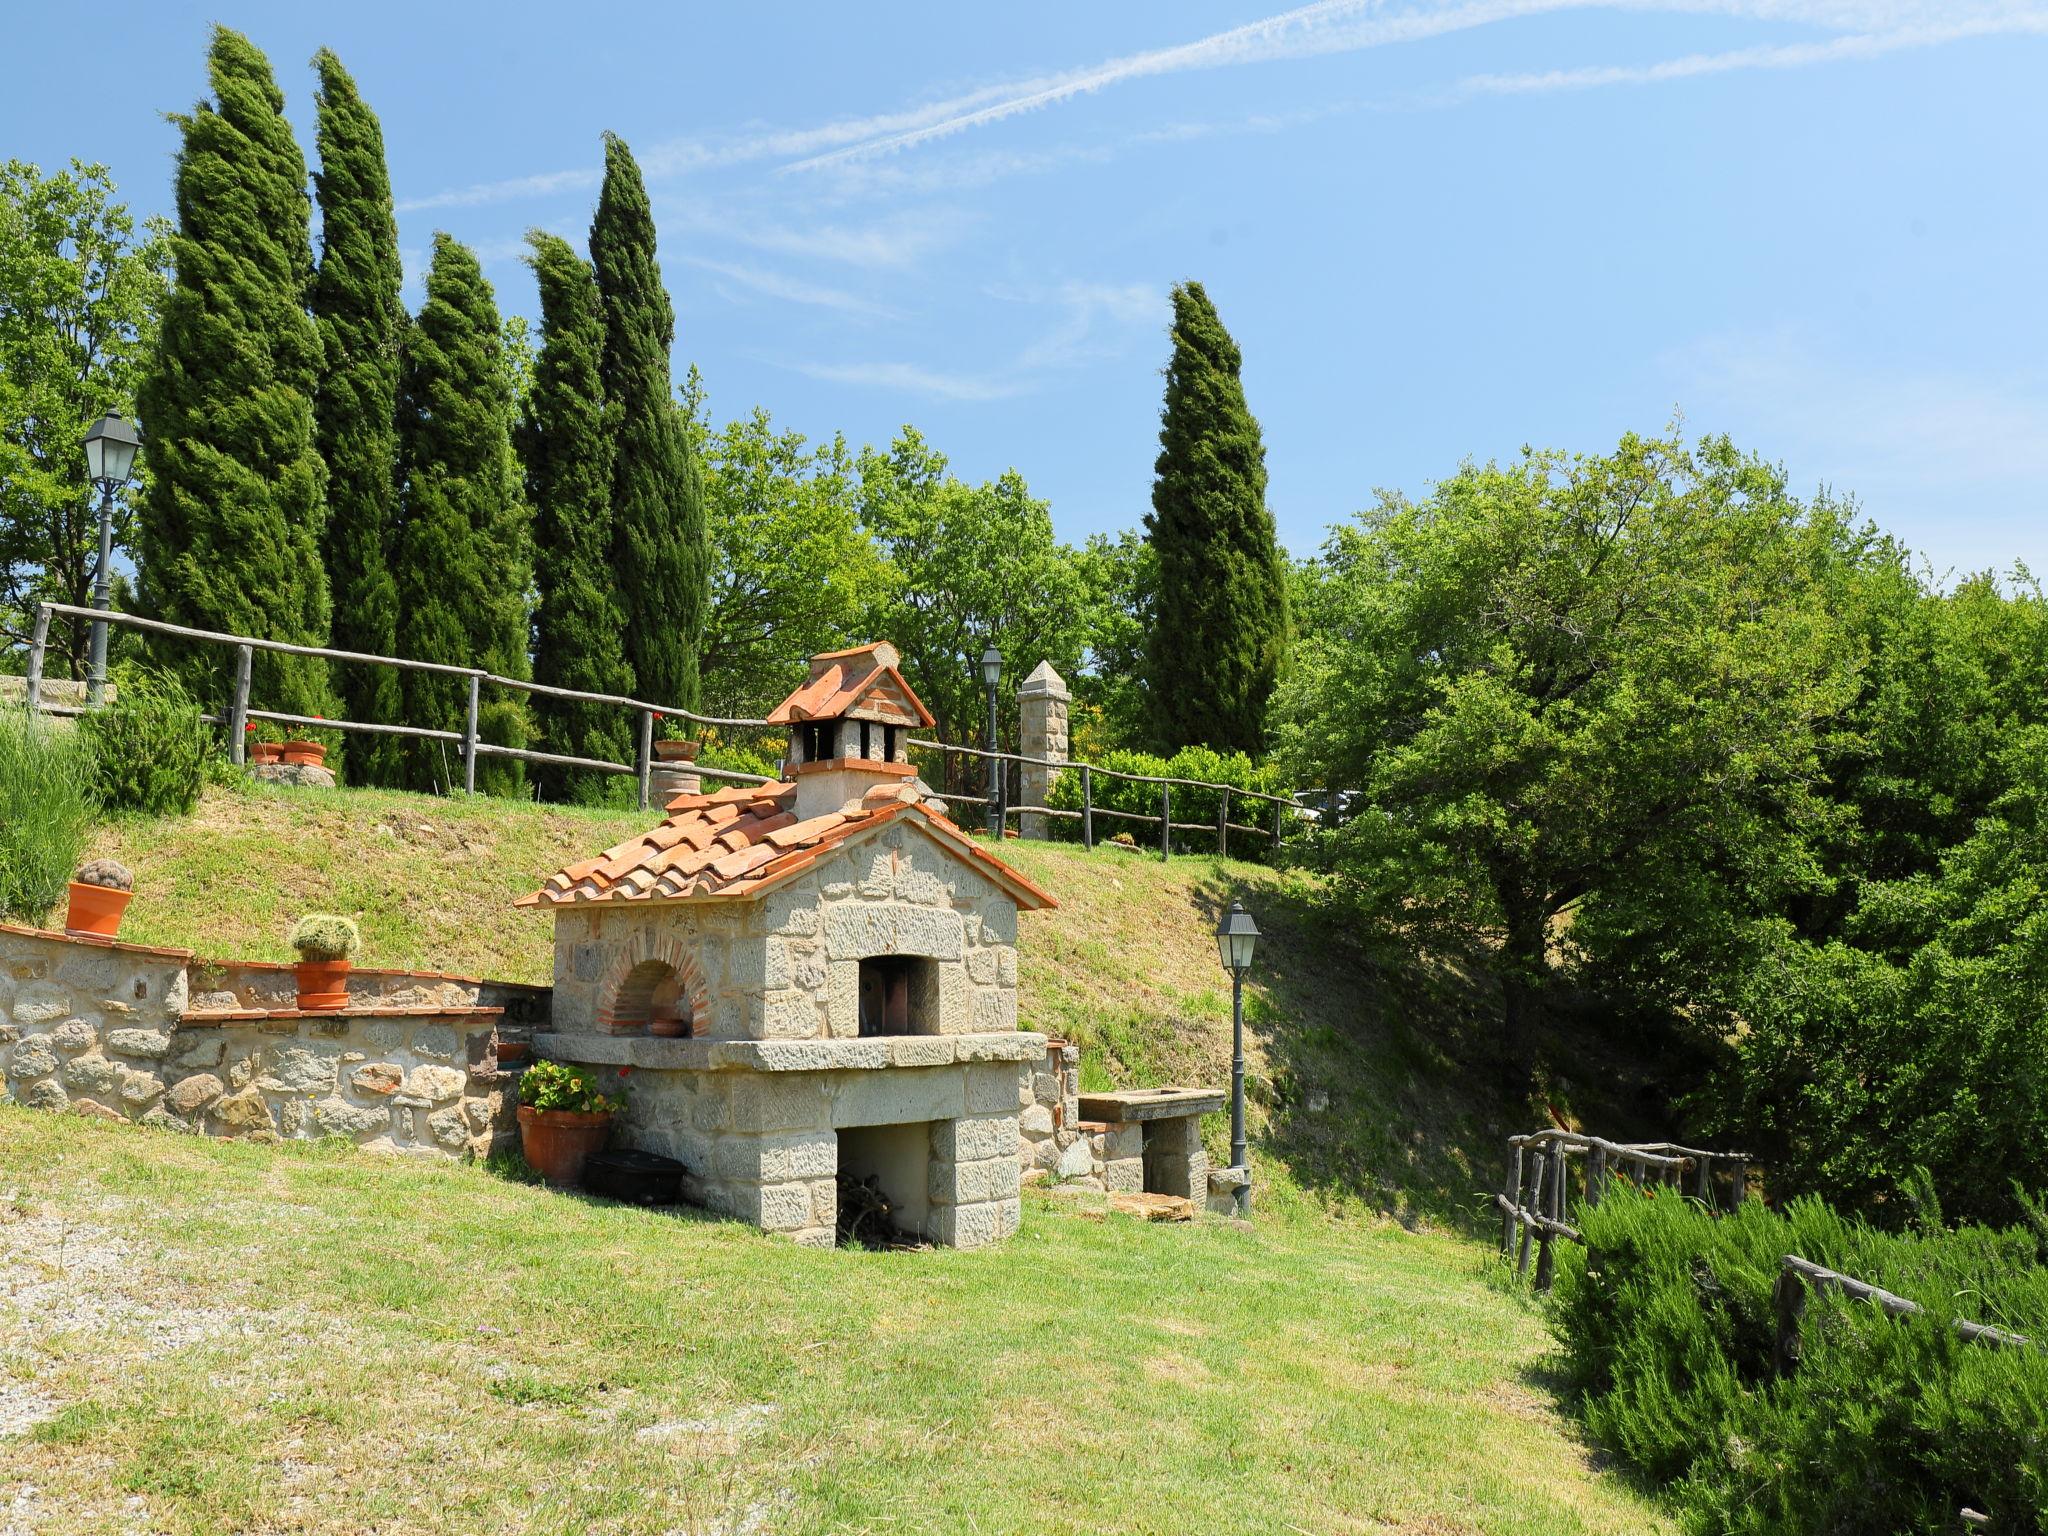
149 748
320 936
551 1085
45 812
1889 1425
1189 805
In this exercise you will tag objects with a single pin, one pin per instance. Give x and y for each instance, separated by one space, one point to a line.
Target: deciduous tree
80 292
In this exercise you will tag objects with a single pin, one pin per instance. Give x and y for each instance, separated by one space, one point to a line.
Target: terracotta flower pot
266 751
305 754
558 1142
323 984
676 751
511 1052
95 910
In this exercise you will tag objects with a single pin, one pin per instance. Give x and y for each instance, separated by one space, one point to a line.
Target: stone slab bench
1129 1105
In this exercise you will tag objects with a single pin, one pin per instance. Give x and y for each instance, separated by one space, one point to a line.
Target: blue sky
1439 229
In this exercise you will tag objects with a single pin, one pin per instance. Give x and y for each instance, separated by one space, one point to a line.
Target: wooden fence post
1596 1175
1165 821
1788 1301
238 711
1513 1190
1546 1256
1276 825
1087 807
1535 1203
645 762
1223 824
469 738
38 648
1703 1181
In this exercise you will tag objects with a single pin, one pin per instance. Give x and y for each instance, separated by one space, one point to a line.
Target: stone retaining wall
116 1031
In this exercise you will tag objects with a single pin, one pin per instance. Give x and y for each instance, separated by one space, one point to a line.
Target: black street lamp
1235 936
109 458
991 673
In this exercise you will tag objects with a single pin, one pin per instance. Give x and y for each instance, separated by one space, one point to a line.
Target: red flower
250 726
625 1071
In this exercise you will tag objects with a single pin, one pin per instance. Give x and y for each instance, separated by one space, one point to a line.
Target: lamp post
109 457
991 673
1235 936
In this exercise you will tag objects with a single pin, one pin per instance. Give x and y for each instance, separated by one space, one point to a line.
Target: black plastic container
640 1178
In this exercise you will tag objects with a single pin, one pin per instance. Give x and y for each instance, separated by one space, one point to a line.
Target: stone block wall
1050 1118
111 1031
787 966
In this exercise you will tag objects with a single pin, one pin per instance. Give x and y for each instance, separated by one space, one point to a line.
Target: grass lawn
209 1336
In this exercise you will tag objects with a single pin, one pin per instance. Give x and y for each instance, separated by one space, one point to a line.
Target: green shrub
1888 1425
503 723
45 812
149 748
551 1085
1189 805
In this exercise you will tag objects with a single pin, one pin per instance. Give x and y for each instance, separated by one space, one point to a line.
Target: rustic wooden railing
467 740
471 746
1220 828
1534 1196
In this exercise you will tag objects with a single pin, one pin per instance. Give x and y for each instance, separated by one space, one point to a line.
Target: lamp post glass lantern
110 447
1236 936
991 674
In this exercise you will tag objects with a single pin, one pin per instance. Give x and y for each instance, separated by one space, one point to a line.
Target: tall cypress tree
660 552
580 622
230 534
458 601
1219 629
361 318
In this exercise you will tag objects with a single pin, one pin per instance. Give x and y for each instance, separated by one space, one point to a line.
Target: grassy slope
225 1337
438 1349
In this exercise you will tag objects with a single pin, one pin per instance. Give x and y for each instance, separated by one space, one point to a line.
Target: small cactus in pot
326 945
100 893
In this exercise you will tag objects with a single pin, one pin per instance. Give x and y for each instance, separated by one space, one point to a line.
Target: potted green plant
100 893
324 943
308 749
266 742
671 744
563 1119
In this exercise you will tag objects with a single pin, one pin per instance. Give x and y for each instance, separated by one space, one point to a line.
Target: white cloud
1954 463
776 285
901 240
914 379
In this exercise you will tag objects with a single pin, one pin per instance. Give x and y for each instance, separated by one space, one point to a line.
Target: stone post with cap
1042 700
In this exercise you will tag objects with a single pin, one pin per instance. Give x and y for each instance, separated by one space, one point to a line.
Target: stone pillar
1042 701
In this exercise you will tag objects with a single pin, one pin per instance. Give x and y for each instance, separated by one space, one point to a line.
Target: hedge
1888 1425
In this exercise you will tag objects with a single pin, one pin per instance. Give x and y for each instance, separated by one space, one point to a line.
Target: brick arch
644 967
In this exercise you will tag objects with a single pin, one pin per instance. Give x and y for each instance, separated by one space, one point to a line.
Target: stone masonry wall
110 1030
1050 1142
787 966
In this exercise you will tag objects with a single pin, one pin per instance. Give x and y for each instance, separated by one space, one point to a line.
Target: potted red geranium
669 743
563 1119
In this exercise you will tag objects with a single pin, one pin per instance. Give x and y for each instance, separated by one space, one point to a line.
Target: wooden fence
1534 1197
999 806
470 746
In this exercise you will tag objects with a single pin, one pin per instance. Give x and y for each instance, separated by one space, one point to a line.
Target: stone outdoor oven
839 960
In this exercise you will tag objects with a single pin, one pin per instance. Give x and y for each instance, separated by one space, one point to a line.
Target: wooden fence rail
471 746
1534 1196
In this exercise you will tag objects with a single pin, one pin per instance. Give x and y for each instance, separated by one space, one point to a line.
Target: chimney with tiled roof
850 726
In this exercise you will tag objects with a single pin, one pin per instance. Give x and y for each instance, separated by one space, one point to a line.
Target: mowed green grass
232 1338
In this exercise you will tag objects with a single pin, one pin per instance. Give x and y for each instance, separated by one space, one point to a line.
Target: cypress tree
1220 627
579 624
461 580
661 556
361 319
230 533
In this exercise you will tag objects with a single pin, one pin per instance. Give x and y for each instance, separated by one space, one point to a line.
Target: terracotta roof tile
738 842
